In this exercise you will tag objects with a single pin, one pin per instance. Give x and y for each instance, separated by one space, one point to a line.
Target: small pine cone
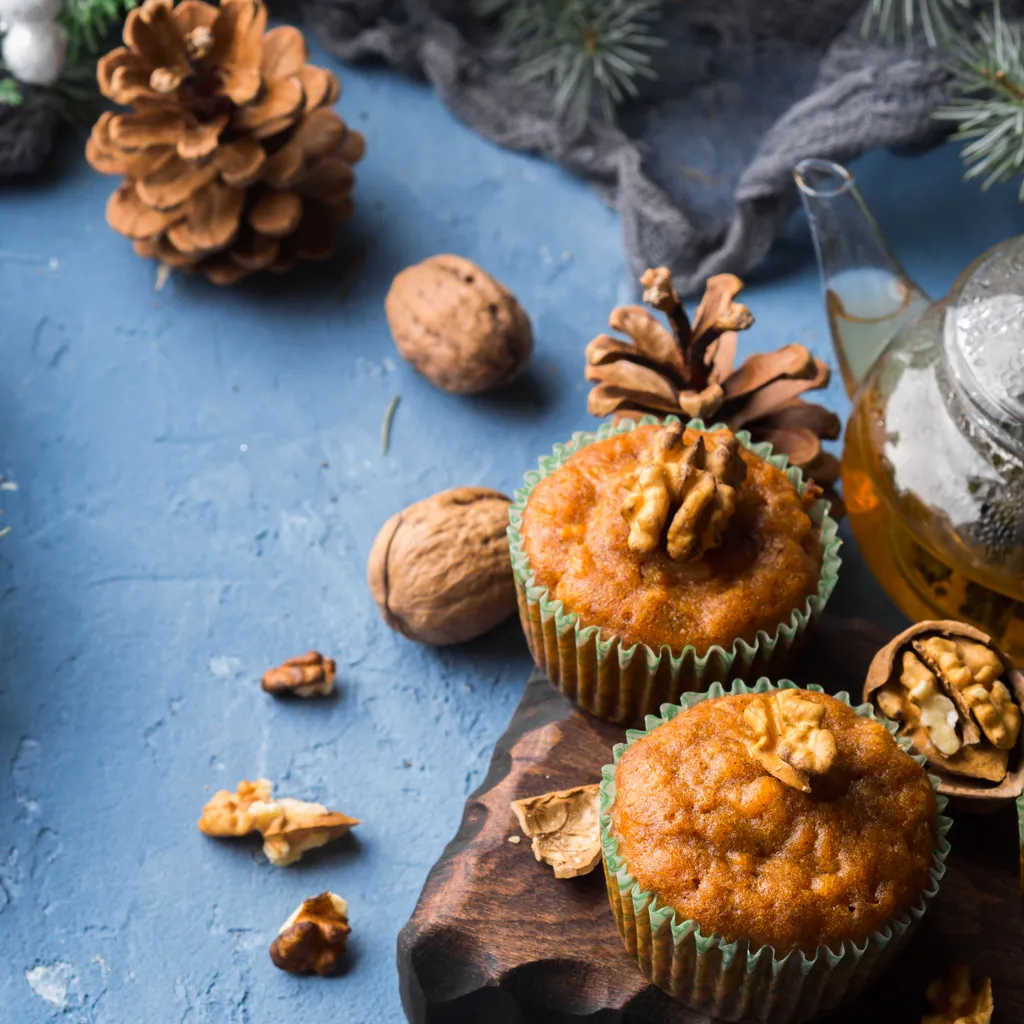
232 159
309 675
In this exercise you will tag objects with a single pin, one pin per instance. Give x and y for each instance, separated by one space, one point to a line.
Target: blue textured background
199 480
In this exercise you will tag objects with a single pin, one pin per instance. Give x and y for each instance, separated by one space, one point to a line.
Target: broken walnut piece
970 672
289 827
789 741
954 1000
308 675
564 827
916 699
313 939
694 485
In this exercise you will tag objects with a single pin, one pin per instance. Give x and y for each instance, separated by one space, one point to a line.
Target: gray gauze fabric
27 132
699 167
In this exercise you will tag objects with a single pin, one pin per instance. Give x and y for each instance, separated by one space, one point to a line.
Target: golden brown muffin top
575 536
705 827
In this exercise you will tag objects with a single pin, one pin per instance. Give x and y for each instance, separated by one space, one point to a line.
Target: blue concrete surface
199 480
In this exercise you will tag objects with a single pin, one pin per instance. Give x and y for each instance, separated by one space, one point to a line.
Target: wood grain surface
496 938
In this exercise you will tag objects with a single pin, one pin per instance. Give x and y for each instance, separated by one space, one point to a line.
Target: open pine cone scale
232 160
689 370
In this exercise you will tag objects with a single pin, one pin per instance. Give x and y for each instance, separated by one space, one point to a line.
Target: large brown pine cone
232 159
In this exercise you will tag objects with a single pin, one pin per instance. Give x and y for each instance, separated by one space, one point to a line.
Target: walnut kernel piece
313 939
694 484
440 572
789 742
308 675
970 672
564 827
461 328
955 1002
289 827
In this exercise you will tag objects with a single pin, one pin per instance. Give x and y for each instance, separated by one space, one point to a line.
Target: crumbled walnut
313 939
564 828
309 675
228 814
955 1001
789 741
289 827
697 481
915 699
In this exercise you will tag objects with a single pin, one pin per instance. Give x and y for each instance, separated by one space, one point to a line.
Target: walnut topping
955 1002
289 827
308 675
313 939
789 741
564 828
953 695
694 484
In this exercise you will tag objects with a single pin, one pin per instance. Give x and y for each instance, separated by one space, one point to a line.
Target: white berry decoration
34 52
13 12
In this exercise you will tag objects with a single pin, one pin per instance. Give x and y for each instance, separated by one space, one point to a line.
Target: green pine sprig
988 107
938 20
89 22
593 52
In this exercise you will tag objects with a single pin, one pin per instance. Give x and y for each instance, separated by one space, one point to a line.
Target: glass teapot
933 461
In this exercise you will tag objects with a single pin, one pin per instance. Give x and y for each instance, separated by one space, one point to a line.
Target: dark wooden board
496 938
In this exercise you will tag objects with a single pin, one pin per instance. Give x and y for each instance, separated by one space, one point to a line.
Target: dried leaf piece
289 827
564 828
313 939
954 1000
308 675
788 739
695 485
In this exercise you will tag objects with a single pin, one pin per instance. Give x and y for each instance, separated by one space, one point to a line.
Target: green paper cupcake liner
624 683
732 980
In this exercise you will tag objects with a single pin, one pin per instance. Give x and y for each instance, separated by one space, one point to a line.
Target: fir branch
902 19
10 93
89 22
592 51
989 107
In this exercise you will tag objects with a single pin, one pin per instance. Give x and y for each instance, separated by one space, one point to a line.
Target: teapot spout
869 297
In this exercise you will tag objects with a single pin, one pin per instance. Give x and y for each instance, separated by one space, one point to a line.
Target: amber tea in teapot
933 460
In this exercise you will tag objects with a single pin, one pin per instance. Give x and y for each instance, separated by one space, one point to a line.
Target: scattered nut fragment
462 329
955 1001
789 741
440 570
308 675
564 827
697 481
958 700
289 827
313 939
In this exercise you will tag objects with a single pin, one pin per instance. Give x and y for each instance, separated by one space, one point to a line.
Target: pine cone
232 159
689 371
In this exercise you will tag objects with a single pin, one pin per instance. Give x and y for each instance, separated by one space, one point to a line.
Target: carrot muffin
781 821
684 549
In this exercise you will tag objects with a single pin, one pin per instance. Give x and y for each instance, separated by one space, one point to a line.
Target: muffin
652 559
767 851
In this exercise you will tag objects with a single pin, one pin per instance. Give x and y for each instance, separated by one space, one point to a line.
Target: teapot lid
984 334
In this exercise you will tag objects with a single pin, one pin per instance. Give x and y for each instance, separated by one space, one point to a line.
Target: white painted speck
51 982
223 666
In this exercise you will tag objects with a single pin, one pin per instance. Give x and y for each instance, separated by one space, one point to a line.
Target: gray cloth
27 132
699 168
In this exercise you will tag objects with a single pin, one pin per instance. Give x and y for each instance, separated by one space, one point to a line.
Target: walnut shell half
457 325
440 570
971 793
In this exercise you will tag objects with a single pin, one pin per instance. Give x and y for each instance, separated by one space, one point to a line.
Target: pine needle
892 20
385 427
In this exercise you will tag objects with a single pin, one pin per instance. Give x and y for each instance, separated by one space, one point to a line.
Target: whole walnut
440 570
457 325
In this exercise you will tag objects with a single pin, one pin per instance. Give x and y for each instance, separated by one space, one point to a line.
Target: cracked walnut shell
958 699
440 570
462 329
564 827
290 828
313 939
308 675
954 1000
